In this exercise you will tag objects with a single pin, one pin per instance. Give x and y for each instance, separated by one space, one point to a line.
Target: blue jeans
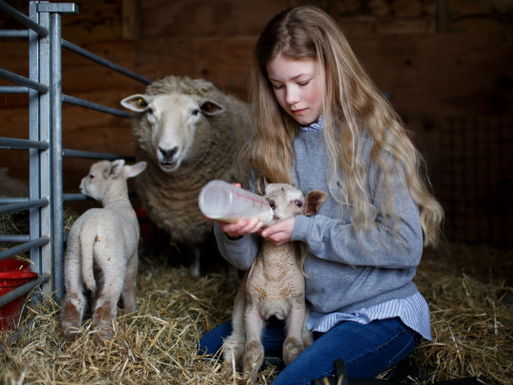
367 350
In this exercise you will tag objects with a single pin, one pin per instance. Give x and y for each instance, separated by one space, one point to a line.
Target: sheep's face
173 122
287 201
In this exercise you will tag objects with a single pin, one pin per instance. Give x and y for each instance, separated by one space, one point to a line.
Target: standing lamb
273 286
189 132
102 250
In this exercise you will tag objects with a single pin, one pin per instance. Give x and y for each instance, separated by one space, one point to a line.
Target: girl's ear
313 202
261 183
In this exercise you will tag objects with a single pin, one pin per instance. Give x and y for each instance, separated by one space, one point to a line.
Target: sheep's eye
141 102
272 204
91 176
195 112
298 203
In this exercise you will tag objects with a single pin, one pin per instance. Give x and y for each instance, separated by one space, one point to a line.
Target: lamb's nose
168 154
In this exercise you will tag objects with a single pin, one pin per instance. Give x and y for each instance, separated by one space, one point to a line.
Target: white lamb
102 251
190 133
273 286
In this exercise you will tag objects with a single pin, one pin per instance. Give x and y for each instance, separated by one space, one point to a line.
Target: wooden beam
131 21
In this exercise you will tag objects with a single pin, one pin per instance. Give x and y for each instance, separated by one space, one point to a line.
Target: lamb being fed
189 132
273 286
101 254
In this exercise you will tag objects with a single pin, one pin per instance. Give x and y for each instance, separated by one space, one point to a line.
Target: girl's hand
280 232
242 227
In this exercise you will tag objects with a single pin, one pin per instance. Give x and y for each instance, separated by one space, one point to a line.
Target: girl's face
298 86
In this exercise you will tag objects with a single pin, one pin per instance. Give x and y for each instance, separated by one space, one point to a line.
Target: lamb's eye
195 112
91 176
298 203
142 103
272 204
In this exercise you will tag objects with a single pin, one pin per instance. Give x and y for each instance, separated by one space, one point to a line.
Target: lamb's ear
114 170
117 167
134 170
136 103
313 202
210 108
261 183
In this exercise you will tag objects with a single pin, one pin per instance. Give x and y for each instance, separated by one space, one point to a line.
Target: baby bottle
225 202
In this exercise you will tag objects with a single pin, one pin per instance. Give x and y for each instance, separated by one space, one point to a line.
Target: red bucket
13 273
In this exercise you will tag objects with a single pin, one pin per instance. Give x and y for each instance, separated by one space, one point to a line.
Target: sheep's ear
134 170
313 202
210 108
261 184
136 103
115 169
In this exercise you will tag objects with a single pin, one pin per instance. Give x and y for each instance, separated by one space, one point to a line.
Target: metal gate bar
28 22
106 63
4 74
95 106
44 88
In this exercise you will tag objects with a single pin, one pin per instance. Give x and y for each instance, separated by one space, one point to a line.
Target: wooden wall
441 62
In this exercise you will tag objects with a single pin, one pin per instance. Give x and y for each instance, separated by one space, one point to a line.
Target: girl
322 124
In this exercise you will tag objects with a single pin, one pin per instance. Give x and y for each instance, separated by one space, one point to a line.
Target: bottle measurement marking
261 203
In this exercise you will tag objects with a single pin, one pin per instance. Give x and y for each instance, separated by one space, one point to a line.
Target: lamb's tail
87 246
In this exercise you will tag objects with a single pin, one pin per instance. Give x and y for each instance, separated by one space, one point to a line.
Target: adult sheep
188 132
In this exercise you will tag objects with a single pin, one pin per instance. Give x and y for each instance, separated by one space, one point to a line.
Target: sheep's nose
168 154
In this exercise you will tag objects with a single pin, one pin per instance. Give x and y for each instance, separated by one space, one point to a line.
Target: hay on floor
471 315
155 345
472 332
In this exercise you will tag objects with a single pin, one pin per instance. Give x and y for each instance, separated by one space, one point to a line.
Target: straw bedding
468 295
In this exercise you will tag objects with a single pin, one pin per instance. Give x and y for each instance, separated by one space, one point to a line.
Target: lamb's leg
128 294
74 303
307 334
293 344
233 346
254 351
105 311
194 267
307 337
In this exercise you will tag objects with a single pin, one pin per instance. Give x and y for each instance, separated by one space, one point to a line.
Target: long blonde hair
352 108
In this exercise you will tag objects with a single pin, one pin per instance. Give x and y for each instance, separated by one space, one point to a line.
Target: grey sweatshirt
347 270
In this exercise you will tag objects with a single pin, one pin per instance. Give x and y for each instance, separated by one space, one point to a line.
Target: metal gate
44 89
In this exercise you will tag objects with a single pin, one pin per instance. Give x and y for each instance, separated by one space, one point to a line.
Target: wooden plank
98 20
446 74
224 61
14 58
195 18
83 75
443 74
130 21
